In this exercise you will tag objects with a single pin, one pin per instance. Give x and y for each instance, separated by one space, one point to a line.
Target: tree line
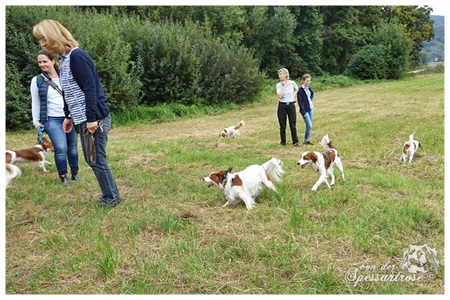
207 55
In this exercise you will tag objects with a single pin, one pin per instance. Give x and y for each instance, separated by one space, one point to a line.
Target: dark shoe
109 204
295 144
283 144
64 180
74 171
307 143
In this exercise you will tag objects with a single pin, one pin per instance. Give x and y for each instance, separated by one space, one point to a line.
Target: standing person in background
85 102
47 107
287 92
305 102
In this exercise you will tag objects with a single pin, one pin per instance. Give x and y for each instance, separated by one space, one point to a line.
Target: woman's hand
67 125
92 126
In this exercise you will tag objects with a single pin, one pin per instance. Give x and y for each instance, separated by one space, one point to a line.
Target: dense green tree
276 41
416 22
396 46
308 32
342 37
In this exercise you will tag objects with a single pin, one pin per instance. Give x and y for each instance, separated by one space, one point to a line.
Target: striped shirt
83 92
73 94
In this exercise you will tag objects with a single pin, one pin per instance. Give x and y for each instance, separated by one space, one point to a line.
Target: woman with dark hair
47 106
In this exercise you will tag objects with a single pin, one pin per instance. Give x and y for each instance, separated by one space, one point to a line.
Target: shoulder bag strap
51 83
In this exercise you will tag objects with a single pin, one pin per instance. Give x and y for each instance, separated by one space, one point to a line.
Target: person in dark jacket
85 102
305 97
47 107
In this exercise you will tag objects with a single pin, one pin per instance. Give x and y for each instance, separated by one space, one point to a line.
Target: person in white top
47 107
287 94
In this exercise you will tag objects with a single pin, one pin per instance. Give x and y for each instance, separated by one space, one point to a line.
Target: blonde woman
287 94
86 106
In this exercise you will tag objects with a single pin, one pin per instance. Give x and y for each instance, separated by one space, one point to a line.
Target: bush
18 102
185 64
368 63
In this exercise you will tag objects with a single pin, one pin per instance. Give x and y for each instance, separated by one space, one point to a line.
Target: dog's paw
314 188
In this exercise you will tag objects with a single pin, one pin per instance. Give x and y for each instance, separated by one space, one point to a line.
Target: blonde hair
57 37
284 71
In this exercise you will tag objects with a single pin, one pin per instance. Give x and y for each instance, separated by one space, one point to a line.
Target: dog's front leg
319 182
249 201
230 201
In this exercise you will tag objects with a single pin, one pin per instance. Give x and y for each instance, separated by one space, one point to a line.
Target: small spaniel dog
409 148
34 154
232 131
323 162
247 184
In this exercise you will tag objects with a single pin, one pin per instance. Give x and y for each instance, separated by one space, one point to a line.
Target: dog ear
312 156
229 169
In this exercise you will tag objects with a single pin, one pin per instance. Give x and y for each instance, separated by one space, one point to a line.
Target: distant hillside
433 50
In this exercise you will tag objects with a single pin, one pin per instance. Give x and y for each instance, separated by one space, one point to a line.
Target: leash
40 133
90 145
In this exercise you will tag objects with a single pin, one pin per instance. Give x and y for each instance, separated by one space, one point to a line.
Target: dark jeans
284 112
64 144
110 193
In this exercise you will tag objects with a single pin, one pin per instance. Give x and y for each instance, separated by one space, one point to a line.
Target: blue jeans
64 144
308 121
110 193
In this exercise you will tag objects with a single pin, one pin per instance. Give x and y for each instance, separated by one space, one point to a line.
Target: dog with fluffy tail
248 183
409 148
12 171
232 131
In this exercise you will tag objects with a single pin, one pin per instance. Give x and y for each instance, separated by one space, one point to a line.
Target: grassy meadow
171 235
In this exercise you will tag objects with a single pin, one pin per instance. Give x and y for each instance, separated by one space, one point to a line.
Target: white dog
12 171
323 162
409 148
232 131
247 184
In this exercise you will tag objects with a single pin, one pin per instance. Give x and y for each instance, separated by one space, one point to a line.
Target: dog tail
12 171
241 125
326 143
10 157
411 142
274 169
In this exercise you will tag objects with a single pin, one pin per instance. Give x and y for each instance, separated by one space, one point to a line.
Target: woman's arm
35 103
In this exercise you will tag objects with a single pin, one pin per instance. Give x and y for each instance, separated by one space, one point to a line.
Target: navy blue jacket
302 100
85 74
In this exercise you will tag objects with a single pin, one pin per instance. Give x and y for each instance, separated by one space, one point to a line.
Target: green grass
171 235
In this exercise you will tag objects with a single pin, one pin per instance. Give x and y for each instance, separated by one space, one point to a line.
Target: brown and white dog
409 148
247 184
34 154
323 162
232 131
